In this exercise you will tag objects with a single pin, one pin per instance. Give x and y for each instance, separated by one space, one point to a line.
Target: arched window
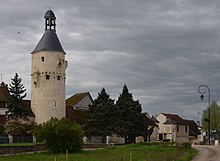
42 59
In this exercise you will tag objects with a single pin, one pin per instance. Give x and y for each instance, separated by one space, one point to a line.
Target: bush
60 135
19 126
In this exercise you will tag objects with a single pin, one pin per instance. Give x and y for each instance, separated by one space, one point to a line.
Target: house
173 128
153 124
80 101
193 131
152 127
4 95
4 98
77 105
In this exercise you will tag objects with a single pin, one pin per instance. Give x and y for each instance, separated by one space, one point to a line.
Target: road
207 153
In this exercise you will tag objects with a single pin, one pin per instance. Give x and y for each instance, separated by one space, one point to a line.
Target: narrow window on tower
42 59
47 77
58 77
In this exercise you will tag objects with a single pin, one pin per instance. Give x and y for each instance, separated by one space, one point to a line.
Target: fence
4 139
23 139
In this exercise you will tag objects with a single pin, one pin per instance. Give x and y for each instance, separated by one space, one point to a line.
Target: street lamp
202 98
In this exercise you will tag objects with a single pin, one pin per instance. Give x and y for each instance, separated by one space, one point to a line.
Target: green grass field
135 152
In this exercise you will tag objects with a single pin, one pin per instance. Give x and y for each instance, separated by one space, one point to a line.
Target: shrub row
170 144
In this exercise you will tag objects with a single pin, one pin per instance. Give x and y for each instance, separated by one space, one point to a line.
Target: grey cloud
163 50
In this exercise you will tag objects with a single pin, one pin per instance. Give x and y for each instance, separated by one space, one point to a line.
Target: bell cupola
50 21
50 40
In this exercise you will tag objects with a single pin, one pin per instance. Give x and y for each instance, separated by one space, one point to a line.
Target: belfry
48 74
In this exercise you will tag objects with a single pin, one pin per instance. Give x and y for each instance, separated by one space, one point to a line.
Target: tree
215 119
130 120
100 116
60 135
20 126
2 129
16 108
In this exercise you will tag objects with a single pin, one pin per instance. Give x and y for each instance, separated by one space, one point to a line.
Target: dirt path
207 153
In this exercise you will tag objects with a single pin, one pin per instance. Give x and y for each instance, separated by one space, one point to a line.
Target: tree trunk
126 139
131 139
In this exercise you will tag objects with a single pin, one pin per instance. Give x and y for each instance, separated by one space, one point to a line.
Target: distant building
152 125
80 101
176 129
193 131
4 95
48 74
172 128
77 106
4 99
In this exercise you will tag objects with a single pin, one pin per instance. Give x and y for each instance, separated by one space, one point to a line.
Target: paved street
207 153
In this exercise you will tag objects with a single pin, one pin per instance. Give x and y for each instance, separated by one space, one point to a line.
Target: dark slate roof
50 14
150 122
193 128
49 42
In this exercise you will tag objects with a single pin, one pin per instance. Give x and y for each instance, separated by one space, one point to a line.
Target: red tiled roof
76 115
4 93
150 122
2 119
174 119
193 128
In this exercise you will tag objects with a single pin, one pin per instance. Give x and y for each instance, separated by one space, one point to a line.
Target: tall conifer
130 119
16 107
99 117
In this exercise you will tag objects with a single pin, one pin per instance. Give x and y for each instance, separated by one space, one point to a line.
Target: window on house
42 59
47 77
177 128
186 128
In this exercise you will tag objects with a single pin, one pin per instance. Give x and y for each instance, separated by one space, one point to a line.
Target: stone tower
48 74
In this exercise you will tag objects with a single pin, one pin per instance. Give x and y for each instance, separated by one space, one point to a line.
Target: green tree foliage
60 135
215 119
100 116
16 108
2 129
130 120
20 126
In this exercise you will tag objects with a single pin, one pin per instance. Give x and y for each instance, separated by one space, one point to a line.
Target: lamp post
202 98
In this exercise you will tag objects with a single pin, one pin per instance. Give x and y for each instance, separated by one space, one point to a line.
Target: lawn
135 152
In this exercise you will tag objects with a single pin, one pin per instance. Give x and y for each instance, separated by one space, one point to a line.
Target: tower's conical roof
50 40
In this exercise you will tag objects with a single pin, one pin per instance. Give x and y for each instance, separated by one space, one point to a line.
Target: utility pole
1 76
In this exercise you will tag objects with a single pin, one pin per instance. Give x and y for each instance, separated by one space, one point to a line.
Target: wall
21 149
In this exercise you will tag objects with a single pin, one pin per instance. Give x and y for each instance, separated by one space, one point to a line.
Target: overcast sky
161 49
